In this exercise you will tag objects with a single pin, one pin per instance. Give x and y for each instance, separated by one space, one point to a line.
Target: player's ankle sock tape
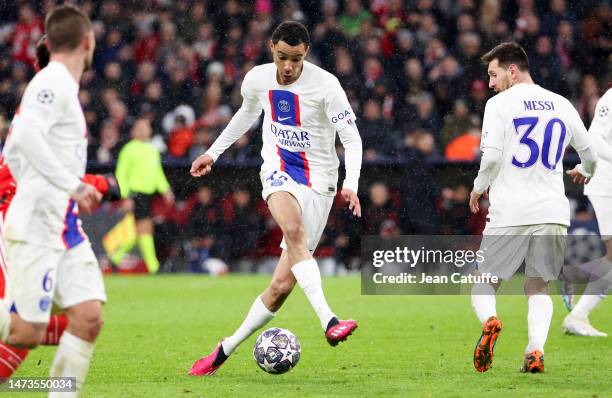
332 322
221 357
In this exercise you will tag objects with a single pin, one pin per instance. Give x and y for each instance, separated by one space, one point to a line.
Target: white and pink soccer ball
277 351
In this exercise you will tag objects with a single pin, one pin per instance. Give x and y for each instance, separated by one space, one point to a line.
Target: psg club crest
276 180
44 303
284 106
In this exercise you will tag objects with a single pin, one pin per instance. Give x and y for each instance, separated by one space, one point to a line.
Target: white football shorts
540 246
315 207
41 275
603 211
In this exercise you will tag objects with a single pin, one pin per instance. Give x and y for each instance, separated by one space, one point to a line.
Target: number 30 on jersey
534 149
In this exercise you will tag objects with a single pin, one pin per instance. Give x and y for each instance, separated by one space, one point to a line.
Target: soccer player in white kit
304 106
50 257
599 191
524 135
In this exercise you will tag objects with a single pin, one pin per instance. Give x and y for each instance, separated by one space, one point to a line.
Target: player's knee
535 286
87 327
294 231
86 321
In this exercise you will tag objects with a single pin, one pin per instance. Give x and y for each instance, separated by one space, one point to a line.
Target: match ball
277 351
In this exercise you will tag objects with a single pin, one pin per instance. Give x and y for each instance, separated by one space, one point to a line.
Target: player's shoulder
260 73
320 75
54 74
317 71
603 109
606 99
51 83
497 101
258 78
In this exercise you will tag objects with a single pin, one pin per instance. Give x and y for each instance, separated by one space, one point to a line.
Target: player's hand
87 198
201 166
474 199
353 201
577 176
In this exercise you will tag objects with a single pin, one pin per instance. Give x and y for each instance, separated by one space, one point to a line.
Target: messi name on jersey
289 137
539 105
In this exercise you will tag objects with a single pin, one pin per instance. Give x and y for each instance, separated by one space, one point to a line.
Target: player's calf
276 294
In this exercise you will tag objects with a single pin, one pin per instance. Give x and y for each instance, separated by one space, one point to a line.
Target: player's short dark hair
292 33
506 54
42 52
66 26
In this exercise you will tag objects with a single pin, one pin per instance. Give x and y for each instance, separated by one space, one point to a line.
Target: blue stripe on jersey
285 107
72 235
296 165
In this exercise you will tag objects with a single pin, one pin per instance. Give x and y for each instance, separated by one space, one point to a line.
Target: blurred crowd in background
410 68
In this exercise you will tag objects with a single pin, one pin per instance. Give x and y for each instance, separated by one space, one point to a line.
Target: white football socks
308 276
257 317
538 321
594 292
585 305
71 360
483 301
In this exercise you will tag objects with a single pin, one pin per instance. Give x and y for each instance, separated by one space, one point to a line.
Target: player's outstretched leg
257 317
286 212
262 311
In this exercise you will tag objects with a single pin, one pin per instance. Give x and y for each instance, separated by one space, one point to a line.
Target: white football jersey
532 127
47 153
601 184
300 123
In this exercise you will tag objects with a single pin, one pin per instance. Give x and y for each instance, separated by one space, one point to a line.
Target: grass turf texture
418 346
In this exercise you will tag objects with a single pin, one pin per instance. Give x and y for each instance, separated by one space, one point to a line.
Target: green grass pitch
416 346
